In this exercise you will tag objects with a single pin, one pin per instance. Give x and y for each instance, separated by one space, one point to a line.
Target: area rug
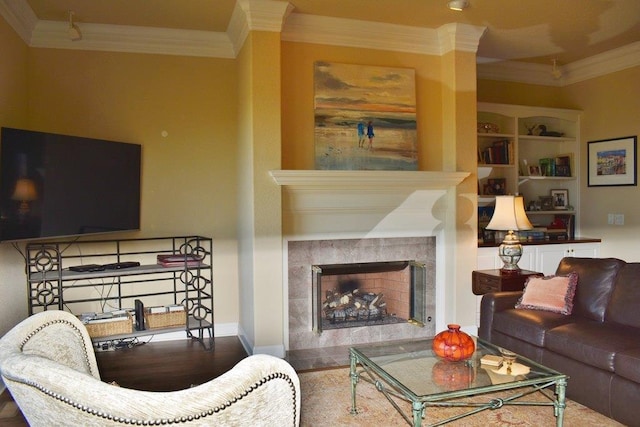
326 401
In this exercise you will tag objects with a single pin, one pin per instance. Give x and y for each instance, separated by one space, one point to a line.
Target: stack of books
556 234
180 260
491 360
536 233
543 233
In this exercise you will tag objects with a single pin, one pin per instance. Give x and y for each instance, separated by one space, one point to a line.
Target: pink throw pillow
549 293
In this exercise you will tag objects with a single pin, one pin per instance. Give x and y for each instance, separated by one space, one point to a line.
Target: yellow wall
610 106
297 98
519 93
13 113
188 177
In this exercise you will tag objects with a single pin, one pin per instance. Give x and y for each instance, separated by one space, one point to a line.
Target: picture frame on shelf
560 199
612 162
546 203
496 187
534 170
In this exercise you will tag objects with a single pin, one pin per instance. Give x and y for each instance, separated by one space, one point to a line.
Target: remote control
86 267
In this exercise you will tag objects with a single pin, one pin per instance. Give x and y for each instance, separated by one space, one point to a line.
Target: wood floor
159 366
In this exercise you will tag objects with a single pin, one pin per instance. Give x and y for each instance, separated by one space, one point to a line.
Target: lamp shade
25 190
509 214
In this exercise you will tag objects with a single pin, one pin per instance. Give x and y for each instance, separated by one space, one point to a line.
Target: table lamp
509 215
24 192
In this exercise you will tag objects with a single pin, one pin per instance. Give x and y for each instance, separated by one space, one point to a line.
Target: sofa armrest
492 303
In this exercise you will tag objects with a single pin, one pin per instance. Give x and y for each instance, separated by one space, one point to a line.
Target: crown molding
20 17
256 15
606 63
595 66
123 38
459 37
520 72
304 28
277 16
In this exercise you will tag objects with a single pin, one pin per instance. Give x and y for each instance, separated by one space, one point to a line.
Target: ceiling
522 30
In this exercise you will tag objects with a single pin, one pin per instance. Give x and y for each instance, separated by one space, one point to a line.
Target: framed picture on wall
364 117
612 162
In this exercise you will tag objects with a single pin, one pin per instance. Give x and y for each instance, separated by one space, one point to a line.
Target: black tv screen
58 185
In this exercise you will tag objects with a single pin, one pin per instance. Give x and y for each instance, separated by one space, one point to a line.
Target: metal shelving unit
52 285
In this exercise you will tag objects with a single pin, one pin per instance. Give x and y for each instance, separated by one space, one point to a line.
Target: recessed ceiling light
458 4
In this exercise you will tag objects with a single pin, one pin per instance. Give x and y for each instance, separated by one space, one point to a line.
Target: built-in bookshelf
534 152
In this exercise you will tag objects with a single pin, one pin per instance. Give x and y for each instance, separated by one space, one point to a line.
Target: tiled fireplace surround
303 254
338 217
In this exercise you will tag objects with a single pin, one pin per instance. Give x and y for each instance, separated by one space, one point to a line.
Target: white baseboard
273 350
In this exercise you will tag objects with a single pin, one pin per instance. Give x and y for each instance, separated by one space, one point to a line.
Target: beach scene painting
365 117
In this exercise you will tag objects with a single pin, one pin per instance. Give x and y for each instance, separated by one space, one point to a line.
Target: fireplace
341 217
367 294
372 265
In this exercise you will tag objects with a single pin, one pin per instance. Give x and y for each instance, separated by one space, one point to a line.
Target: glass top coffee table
409 370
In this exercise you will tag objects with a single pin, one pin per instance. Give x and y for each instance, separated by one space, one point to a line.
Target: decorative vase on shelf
453 344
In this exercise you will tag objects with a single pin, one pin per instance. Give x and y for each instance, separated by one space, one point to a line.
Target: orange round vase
453 344
451 376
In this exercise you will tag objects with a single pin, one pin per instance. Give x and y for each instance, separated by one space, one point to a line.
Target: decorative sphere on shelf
453 344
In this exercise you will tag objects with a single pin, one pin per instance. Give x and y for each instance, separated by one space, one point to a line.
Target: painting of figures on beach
365 117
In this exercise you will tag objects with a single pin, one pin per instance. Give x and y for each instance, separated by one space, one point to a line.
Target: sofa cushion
549 293
528 325
627 364
592 343
596 277
625 299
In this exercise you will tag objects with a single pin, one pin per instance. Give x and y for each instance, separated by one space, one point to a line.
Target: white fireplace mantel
341 179
364 203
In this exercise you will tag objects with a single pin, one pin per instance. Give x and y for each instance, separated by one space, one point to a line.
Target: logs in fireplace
365 294
354 305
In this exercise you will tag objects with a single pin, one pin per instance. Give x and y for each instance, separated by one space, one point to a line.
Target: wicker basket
102 329
169 319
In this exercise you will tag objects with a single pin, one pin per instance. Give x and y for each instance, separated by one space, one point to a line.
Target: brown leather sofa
598 345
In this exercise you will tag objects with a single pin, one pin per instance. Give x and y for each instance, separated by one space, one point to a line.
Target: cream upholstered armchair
48 364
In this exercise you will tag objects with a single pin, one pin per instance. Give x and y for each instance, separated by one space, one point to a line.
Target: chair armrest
492 303
259 387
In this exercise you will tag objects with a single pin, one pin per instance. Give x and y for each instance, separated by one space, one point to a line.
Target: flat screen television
58 185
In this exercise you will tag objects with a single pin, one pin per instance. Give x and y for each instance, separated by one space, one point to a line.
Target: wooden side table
484 281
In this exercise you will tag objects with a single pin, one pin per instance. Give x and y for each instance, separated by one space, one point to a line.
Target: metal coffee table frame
550 383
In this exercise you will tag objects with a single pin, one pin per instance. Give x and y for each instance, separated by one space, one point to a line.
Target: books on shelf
560 166
498 153
180 260
562 227
547 167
